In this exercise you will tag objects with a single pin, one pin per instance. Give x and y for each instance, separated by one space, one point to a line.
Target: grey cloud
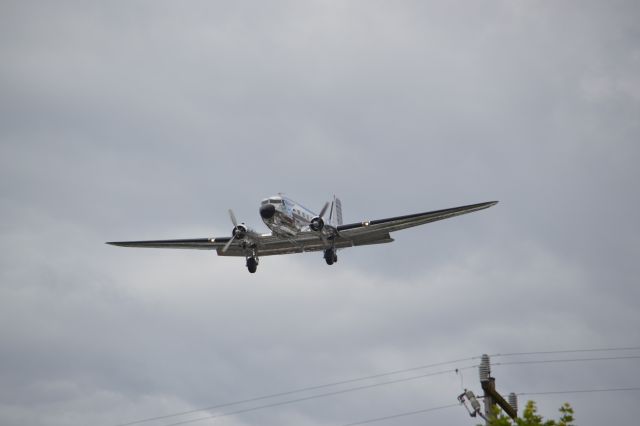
150 120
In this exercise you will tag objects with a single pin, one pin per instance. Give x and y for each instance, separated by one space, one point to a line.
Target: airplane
296 229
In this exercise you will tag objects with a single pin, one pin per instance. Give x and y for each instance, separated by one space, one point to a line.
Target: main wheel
330 256
252 264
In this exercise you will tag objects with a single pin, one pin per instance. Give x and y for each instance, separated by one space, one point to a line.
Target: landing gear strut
252 264
330 256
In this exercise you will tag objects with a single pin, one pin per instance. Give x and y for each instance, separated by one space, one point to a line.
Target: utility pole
491 395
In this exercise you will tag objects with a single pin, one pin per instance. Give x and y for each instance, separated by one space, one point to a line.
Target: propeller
317 223
239 231
324 209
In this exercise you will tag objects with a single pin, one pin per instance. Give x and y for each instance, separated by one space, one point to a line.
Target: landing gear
330 256
252 264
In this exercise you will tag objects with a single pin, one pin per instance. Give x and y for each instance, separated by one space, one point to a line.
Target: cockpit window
275 201
264 202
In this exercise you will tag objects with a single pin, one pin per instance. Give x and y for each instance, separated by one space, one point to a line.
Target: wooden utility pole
491 395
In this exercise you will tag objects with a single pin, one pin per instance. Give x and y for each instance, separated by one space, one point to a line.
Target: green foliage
530 417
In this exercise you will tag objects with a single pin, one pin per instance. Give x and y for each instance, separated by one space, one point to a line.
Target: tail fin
335 213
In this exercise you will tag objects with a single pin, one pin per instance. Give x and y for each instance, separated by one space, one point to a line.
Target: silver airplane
296 229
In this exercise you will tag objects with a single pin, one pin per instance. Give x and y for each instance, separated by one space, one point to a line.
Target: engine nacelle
239 231
316 224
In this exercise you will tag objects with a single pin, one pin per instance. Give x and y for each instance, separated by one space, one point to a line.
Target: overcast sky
150 119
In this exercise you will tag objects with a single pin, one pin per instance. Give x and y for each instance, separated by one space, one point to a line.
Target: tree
530 417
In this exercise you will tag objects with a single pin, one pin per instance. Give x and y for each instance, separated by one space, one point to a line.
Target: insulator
513 401
472 400
485 369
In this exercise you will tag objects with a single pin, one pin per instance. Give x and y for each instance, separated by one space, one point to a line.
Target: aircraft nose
267 211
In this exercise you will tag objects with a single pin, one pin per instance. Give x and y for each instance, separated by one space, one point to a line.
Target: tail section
335 213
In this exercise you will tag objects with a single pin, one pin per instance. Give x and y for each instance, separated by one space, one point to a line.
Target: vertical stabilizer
335 216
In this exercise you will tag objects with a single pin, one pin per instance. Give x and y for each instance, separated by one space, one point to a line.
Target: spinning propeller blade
324 209
233 218
233 235
226 246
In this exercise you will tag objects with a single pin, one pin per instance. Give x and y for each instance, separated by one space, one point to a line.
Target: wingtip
488 204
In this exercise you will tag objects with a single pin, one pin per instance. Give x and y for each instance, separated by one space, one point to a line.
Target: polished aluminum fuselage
289 218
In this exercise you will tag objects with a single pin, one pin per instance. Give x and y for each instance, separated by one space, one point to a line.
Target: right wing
195 243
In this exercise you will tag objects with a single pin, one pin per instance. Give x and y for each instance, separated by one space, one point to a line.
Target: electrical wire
551 361
394 372
395 416
613 349
322 395
581 391
299 390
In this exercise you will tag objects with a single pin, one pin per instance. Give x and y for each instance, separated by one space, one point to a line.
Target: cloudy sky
149 119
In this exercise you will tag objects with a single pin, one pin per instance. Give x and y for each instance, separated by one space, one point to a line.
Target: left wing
384 226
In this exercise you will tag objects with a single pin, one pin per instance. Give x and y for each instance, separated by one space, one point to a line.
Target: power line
322 395
426 410
305 389
581 391
394 372
551 361
612 349
395 416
